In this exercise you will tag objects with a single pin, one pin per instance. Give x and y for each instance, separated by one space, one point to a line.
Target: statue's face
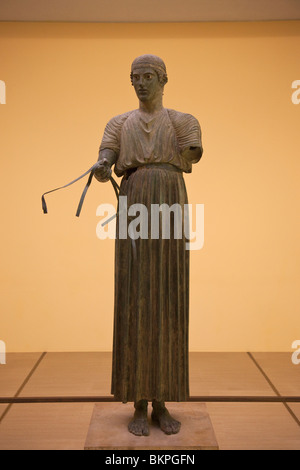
146 83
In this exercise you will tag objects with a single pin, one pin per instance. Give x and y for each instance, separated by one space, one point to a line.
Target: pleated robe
151 305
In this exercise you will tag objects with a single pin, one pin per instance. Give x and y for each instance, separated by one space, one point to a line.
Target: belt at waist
151 166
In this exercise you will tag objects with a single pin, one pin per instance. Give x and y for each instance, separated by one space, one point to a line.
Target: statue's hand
103 170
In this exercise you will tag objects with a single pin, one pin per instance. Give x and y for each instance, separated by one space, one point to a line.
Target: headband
149 61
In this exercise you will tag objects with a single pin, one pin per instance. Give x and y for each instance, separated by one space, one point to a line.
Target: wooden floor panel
15 371
213 374
2 408
254 426
71 374
295 407
281 371
45 426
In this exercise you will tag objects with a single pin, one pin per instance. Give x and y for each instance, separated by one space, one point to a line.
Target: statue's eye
148 76
136 77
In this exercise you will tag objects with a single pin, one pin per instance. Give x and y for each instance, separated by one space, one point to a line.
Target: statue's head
148 77
151 61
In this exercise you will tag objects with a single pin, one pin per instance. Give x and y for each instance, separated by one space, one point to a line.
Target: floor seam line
290 411
25 381
264 374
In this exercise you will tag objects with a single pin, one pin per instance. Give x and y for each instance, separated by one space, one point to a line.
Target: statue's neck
151 107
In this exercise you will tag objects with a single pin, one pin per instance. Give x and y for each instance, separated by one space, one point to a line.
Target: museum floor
248 397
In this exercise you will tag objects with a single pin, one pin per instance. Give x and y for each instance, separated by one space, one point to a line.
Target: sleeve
187 128
112 133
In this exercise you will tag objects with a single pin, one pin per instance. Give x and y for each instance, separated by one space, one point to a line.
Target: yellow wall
63 83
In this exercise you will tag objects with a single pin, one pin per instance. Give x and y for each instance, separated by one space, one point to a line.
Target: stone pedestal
108 429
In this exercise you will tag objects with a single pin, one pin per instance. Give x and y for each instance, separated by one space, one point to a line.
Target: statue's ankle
141 405
158 406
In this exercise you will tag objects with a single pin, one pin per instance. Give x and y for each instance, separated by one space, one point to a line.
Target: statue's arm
189 136
193 154
107 158
110 147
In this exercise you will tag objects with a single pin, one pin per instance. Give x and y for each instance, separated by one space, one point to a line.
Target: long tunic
151 308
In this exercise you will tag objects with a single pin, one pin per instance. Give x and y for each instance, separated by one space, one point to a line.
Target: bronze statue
150 147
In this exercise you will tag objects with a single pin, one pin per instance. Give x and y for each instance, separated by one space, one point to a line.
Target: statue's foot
139 427
166 423
139 424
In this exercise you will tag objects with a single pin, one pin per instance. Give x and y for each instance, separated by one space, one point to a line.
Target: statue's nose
141 81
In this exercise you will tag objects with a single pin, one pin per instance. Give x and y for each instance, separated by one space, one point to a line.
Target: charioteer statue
150 147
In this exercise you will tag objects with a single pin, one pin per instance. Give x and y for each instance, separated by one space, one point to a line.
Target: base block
108 429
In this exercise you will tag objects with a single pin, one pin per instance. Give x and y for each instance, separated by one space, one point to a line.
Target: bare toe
175 426
167 424
139 427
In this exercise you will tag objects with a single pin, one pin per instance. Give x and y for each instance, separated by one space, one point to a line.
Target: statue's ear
164 80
